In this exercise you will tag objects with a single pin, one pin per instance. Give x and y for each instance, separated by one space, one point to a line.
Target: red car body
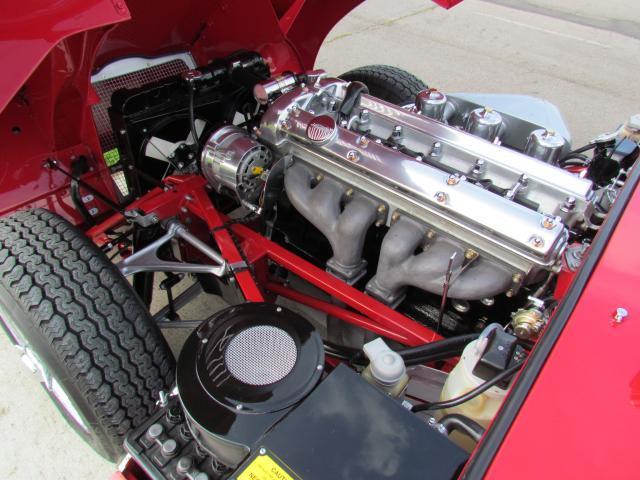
575 411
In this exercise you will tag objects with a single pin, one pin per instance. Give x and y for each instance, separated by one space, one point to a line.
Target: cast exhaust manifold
342 215
399 266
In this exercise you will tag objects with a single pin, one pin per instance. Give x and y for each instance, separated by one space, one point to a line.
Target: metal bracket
135 216
240 266
147 260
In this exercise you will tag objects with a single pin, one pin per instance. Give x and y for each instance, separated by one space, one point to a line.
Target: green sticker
111 157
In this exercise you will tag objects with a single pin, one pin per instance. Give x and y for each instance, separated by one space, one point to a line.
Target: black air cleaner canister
242 371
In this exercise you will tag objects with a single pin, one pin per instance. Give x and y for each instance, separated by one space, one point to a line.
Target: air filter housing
241 371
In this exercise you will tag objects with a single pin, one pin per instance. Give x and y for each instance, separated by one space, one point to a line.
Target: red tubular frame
334 310
187 195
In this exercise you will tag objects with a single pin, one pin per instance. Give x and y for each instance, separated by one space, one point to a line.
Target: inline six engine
473 202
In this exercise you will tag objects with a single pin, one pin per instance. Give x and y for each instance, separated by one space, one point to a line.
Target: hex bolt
397 132
440 197
488 301
436 149
470 254
382 208
395 216
516 278
569 204
509 293
363 141
188 198
262 451
239 406
353 156
278 309
453 179
620 314
319 177
349 192
536 241
184 209
548 222
364 115
461 306
479 167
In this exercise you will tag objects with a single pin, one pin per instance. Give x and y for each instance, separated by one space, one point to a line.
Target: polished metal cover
526 235
231 159
321 128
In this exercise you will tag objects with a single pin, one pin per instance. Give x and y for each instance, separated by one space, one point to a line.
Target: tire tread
387 82
97 327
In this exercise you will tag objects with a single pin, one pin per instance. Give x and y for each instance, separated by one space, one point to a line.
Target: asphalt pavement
582 55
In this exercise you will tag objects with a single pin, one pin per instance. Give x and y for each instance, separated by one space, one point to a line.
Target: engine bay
458 221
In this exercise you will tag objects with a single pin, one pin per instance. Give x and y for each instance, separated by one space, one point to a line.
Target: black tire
80 319
387 83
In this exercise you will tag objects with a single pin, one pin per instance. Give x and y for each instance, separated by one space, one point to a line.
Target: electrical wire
574 160
433 357
454 402
448 344
585 148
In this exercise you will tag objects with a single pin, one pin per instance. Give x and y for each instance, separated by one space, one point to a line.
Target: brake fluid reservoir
386 369
462 379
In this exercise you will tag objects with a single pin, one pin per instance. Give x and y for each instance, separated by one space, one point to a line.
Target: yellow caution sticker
263 467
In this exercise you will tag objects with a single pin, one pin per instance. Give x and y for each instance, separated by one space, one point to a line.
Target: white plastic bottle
461 380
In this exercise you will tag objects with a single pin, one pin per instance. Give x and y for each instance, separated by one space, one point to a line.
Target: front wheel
387 83
79 325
